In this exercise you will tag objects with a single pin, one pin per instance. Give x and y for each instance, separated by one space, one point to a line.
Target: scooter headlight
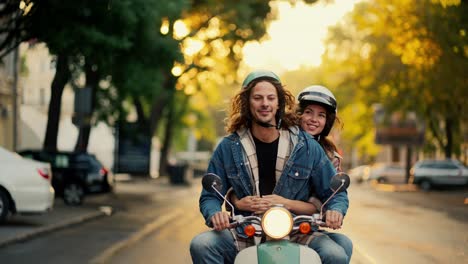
277 222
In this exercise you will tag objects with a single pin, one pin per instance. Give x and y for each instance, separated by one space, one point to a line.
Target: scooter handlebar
239 219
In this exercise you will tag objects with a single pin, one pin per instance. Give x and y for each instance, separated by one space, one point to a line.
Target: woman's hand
275 199
254 204
220 221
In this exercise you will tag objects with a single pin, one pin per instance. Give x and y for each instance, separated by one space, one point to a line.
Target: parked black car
75 174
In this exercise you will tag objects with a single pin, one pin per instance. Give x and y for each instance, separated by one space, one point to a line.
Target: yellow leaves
366 81
350 116
180 29
219 48
367 145
190 89
191 46
400 21
365 51
26 7
446 3
213 28
164 26
355 133
413 43
385 90
421 53
177 70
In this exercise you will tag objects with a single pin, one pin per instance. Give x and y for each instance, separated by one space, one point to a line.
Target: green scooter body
275 252
281 251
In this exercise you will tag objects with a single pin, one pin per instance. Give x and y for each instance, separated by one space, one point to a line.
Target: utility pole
15 98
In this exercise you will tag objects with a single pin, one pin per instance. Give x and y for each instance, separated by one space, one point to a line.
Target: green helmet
259 74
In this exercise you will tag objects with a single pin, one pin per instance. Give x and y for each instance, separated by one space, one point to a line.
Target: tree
409 57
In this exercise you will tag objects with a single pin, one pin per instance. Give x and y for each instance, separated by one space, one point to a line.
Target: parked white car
25 185
430 173
387 173
359 174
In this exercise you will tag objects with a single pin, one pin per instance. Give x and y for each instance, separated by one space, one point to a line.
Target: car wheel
425 185
382 180
106 186
73 194
4 206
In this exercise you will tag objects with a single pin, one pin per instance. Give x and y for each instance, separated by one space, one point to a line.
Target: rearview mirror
340 182
212 183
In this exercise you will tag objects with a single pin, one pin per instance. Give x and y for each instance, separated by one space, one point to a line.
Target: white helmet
318 94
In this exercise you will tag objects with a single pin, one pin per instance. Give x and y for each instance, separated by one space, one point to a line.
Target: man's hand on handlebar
333 219
220 221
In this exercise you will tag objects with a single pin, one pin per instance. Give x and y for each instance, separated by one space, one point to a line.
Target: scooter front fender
274 252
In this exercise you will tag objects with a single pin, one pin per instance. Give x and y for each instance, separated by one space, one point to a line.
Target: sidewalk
23 227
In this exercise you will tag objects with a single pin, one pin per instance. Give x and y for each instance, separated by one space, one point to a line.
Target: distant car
438 173
25 185
75 174
387 173
359 174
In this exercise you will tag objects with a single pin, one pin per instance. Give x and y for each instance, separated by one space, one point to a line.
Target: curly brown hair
239 115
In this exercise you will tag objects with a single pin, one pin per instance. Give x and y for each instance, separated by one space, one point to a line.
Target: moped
271 231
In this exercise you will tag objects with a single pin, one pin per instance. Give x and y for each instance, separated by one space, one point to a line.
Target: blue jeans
218 247
333 247
213 247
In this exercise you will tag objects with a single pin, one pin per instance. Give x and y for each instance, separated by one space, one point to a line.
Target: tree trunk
163 161
62 75
409 154
160 102
448 131
83 138
92 81
139 109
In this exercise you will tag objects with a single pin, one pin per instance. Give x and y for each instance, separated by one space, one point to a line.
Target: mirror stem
232 206
333 194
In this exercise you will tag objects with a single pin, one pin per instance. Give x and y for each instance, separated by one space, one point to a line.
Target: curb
395 187
49 228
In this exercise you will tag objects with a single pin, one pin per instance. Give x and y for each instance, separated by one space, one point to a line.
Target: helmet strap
264 124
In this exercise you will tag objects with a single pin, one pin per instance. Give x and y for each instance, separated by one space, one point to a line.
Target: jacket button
296 174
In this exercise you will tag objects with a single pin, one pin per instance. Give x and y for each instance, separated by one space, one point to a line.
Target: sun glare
296 38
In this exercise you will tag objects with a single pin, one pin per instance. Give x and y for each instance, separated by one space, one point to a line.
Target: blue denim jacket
307 171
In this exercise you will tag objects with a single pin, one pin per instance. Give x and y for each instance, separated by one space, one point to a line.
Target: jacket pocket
233 173
297 181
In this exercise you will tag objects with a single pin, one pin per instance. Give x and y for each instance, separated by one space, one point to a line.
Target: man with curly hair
265 160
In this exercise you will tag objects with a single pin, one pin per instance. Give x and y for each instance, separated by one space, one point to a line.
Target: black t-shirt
266 157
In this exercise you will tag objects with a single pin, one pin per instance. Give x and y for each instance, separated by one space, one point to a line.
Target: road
409 227
155 225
